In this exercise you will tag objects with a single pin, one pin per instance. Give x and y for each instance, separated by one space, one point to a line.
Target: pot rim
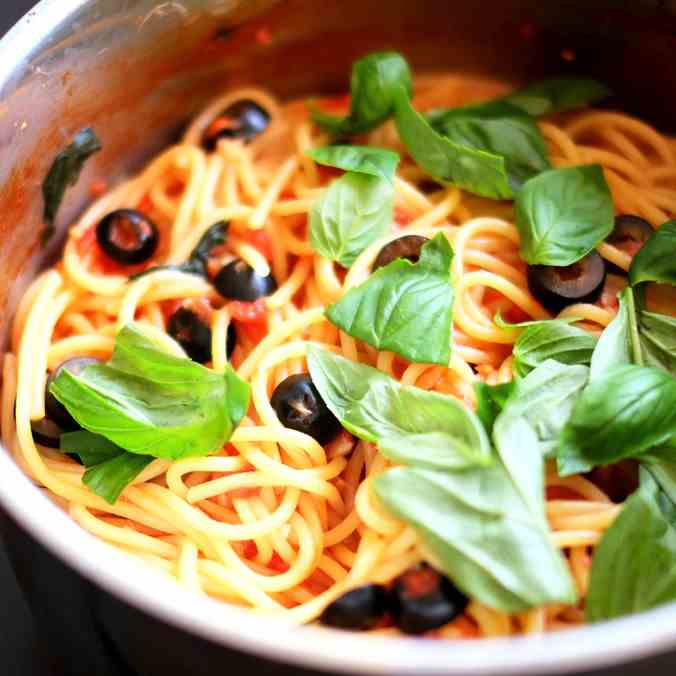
587 648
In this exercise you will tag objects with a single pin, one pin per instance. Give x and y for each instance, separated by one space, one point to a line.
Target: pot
137 70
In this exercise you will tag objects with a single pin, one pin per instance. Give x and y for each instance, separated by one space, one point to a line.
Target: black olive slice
243 120
557 287
239 281
55 410
408 247
360 609
422 599
300 407
193 334
127 236
46 432
630 230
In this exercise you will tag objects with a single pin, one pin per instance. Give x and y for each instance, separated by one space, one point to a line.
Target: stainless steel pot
136 70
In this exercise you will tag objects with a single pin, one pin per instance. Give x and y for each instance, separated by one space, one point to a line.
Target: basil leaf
372 83
634 565
362 159
658 340
501 323
110 469
502 129
65 171
196 264
152 403
482 532
621 414
619 341
354 211
539 408
552 339
556 94
656 259
410 425
477 171
92 449
111 477
562 214
661 463
490 400
404 307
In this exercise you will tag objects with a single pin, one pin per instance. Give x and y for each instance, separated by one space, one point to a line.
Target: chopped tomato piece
260 240
278 564
98 187
250 318
335 104
263 36
249 549
145 205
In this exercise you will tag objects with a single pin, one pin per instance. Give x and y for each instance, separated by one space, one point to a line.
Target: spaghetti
275 521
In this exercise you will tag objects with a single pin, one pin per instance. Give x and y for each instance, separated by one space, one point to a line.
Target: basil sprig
484 522
196 264
562 214
633 566
362 159
408 424
502 129
557 94
65 171
151 403
404 307
372 83
478 171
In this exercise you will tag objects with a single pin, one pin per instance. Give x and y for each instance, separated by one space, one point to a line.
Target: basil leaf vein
410 425
65 171
362 159
404 307
372 83
633 565
562 214
353 211
151 403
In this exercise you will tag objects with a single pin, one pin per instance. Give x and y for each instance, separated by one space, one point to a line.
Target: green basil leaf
372 83
539 408
552 339
501 129
362 159
92 449
501 323
556 94
562 214
404 307
634 565
196 264
490 400
354 211
410 425
658 340
661 463
477 171
621 414
619 341
656 259
65 171
482 532
152 403
111 477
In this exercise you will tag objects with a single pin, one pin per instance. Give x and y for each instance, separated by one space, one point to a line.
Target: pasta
275 521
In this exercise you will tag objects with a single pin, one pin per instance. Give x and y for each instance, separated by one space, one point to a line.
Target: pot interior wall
137 74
